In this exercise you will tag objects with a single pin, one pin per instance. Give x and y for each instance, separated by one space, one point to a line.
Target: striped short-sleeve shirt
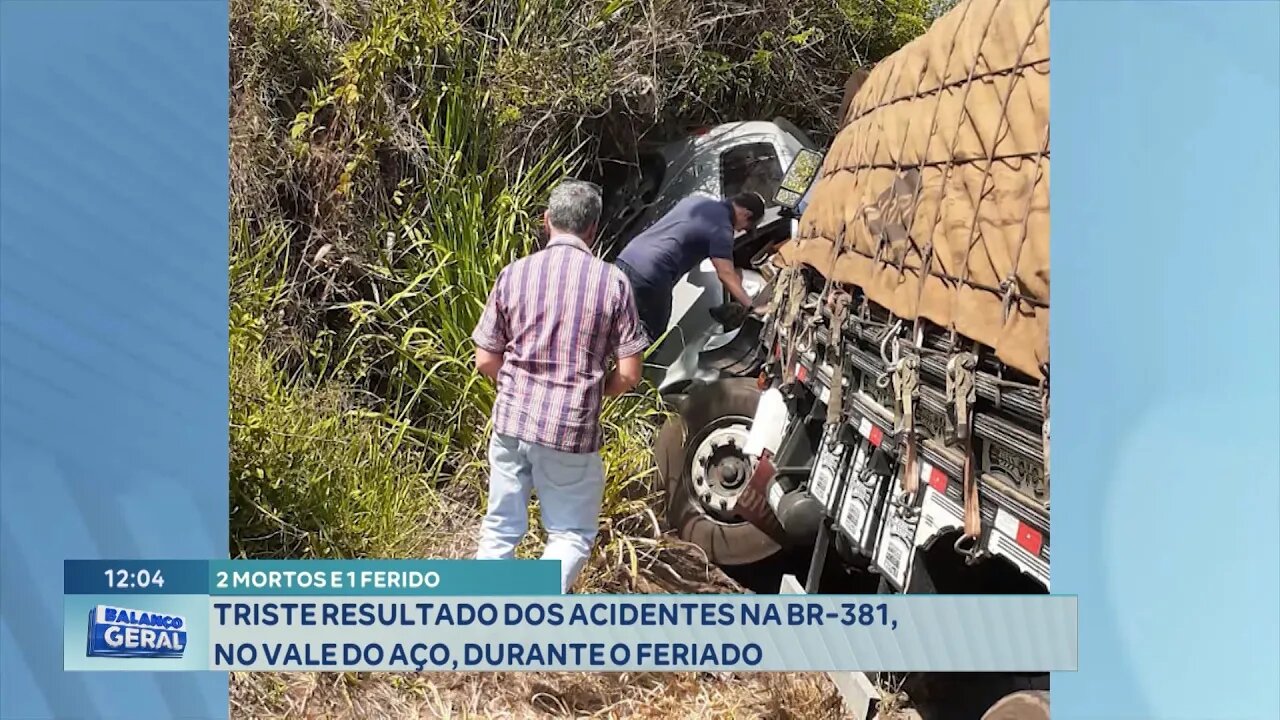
558 316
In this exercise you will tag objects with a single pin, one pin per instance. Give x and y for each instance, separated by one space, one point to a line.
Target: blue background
1166 256
1166 356
457 577
113 308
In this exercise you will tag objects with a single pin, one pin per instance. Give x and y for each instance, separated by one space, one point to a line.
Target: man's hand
731 278
488 363
625 376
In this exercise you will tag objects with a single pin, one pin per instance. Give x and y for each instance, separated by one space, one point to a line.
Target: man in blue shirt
695 229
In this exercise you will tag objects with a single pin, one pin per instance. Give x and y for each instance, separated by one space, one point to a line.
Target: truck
885 427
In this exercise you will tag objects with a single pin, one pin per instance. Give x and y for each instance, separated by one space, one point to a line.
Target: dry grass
631 556
506 696
662 565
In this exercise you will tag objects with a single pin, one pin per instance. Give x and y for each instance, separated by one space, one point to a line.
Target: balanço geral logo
116 632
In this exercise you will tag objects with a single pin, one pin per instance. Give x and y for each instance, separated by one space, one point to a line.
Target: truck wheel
702 469
1026 705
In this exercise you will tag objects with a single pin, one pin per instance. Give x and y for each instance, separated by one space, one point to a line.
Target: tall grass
354 292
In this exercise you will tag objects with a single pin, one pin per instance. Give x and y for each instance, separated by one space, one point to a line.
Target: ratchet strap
835 355
781 288
972 511
781 285
776 307
962 392
906 378
793 302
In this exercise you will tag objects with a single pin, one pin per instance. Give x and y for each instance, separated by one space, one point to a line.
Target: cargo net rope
934 201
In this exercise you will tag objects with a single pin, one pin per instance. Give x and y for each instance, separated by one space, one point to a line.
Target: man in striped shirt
554 323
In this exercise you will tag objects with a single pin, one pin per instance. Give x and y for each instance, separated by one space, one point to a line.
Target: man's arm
628 341
490 335
731 278
721 247
625 376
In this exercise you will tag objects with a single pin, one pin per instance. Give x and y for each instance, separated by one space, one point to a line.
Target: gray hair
574 207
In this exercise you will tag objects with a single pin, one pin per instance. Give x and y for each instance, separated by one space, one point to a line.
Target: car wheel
702 468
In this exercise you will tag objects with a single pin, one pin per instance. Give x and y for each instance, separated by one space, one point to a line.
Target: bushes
312 478
310 474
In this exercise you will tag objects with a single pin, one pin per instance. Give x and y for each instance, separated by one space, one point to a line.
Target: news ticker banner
449 615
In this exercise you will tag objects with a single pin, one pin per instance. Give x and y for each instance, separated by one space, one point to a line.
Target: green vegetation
388 158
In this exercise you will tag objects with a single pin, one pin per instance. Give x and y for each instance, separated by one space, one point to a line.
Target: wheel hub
733 472
720 469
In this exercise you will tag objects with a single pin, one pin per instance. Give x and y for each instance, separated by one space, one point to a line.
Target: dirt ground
662 567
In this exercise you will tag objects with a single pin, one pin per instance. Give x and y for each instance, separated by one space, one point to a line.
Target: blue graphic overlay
113 334
129 632
295 632
134 577
926 633
384 577
1165 345
312 577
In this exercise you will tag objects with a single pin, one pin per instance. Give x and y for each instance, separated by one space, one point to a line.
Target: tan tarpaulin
942 170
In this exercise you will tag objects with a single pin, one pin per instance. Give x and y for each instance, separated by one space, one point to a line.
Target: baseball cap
752 202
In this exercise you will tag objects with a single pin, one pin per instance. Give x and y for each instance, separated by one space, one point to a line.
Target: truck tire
1026 705
725 403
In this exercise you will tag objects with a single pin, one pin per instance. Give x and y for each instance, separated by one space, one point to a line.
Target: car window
753 167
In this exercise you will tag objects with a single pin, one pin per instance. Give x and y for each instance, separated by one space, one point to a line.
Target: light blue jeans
569 488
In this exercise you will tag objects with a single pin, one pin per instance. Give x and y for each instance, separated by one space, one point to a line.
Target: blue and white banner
407 616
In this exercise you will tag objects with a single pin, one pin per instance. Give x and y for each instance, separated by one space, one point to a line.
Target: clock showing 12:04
134 579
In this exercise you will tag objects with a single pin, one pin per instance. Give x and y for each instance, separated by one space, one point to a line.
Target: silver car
716 162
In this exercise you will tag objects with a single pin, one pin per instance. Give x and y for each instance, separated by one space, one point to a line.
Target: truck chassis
839 487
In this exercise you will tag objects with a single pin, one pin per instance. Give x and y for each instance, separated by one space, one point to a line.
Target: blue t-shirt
695 229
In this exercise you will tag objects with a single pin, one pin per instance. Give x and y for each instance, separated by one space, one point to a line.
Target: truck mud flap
857 511
1008 531
895 545
753 502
